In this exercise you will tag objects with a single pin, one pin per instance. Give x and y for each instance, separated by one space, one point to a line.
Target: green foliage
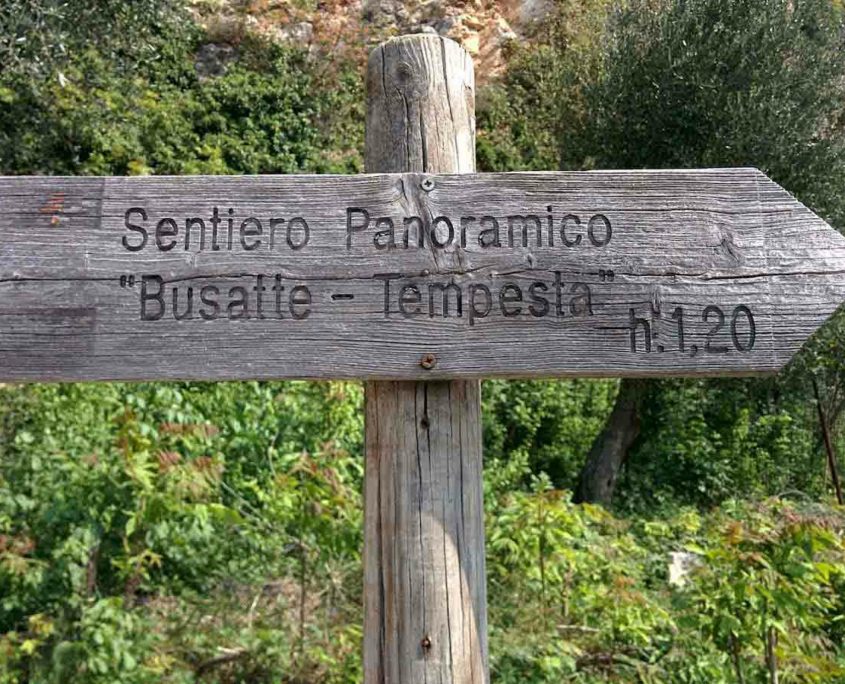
571 576
549 424
122 506
272 111
580 596
713 83
704 441
188 532
773 577
212 532
724 83
526 121
37 36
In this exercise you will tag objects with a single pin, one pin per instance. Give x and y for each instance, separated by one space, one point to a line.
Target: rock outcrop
485 29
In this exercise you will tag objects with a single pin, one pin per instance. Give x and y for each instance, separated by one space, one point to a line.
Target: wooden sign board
400 276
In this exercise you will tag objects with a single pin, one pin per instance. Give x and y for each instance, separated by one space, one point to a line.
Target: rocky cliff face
485 29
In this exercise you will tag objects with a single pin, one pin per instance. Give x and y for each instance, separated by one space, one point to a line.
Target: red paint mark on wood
55 205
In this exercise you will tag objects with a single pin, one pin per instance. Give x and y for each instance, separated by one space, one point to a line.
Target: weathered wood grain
425 606
424 587
692 239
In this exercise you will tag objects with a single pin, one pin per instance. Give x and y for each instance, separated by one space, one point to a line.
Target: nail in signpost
420 277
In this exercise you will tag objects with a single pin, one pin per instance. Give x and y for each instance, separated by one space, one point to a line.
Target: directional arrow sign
649 273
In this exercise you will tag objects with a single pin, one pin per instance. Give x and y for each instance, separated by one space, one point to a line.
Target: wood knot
426 643
728 247
404 72
408 82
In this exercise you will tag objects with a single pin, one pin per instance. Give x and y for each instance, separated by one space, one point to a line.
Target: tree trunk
824 422
610 448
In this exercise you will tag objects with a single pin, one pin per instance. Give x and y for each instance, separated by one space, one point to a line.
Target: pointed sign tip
806 265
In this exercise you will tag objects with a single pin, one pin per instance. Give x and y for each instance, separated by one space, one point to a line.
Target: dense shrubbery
705 83
272 111
722 83
190 503
536 116
166 532
579 595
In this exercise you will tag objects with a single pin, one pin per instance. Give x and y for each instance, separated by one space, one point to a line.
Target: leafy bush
715 83
551 424
211 532
39 36
272 111
577 595
724 83
532 117
123 506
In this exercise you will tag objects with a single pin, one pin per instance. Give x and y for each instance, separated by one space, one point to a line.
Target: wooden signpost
409 276
421 277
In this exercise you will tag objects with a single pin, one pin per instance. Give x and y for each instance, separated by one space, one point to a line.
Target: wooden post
425 611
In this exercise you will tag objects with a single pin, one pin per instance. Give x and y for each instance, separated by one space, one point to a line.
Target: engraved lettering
748 345
302 225
474 311
387 277
635 324
208 296
465 222
410 294
509 294
190 223
563 236
540 305
417 222
259 290
489 237
445 289
523 221
605 230
147 296
352 228
299 296
251 227
434 234
581 303
238 305
188 313
385 239
166 228
274 224
708 313
138 246
215 223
